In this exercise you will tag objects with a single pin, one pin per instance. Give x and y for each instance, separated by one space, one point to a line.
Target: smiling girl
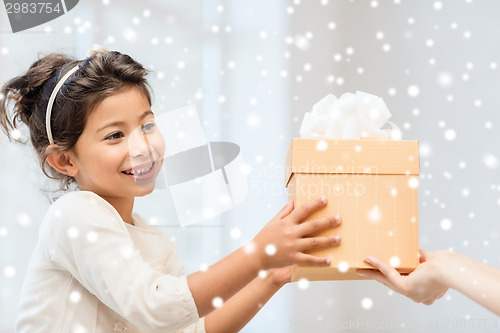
97 266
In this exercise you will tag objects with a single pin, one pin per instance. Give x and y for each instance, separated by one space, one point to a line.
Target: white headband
52 99
95 49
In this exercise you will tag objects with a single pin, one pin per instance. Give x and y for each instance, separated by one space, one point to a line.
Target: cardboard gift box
373 186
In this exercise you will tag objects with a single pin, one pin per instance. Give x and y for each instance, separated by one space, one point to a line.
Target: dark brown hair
98 76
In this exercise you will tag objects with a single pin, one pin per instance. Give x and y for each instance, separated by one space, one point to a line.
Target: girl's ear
61 160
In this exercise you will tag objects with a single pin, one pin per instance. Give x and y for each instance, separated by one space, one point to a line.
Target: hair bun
27 91
96 48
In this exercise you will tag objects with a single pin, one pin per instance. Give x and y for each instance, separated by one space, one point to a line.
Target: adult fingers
317 242
378 276
434 296
442 293
311 226
422 255
427 301
285 211
390 273
304 210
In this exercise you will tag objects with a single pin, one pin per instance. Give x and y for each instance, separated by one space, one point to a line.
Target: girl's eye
115 136
148 127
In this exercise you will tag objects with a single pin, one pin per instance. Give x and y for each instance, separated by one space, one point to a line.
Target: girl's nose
138 144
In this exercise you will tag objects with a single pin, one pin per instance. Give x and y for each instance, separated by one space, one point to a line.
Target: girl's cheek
116 152
158 144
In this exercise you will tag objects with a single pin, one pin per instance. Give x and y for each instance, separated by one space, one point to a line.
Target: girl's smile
141 172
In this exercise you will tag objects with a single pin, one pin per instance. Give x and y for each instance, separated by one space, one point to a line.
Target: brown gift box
373 186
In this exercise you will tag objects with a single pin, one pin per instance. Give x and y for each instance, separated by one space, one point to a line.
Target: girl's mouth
141 172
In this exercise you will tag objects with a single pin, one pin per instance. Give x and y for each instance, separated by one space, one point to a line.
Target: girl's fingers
311 226
317 242
304 210
285 211
307 259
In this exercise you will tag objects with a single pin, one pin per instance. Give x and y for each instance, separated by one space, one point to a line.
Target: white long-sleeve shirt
92 272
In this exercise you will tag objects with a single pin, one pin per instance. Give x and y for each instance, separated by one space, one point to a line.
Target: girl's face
120 151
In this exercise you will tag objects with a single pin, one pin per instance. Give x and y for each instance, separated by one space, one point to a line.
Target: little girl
97 266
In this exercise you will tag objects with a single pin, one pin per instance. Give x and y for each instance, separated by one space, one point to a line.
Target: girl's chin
144 187
144 191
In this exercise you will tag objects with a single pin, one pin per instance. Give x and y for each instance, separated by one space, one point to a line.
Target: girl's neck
124 207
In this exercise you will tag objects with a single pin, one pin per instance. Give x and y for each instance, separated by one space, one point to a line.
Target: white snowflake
450 134
9 271
413 91
303 284
446 224
490 160
217 302
367 303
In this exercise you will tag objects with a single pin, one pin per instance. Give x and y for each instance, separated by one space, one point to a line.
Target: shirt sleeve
198 327
88 238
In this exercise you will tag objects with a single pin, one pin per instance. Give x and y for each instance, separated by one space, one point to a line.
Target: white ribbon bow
352 116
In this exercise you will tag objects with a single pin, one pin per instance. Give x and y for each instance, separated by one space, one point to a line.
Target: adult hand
424 285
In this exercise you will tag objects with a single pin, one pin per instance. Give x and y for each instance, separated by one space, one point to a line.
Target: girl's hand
280 276
283 240
423 285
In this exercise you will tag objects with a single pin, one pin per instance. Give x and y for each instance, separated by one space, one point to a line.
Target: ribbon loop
352 116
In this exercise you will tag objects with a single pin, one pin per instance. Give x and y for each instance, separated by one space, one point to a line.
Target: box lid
323 156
